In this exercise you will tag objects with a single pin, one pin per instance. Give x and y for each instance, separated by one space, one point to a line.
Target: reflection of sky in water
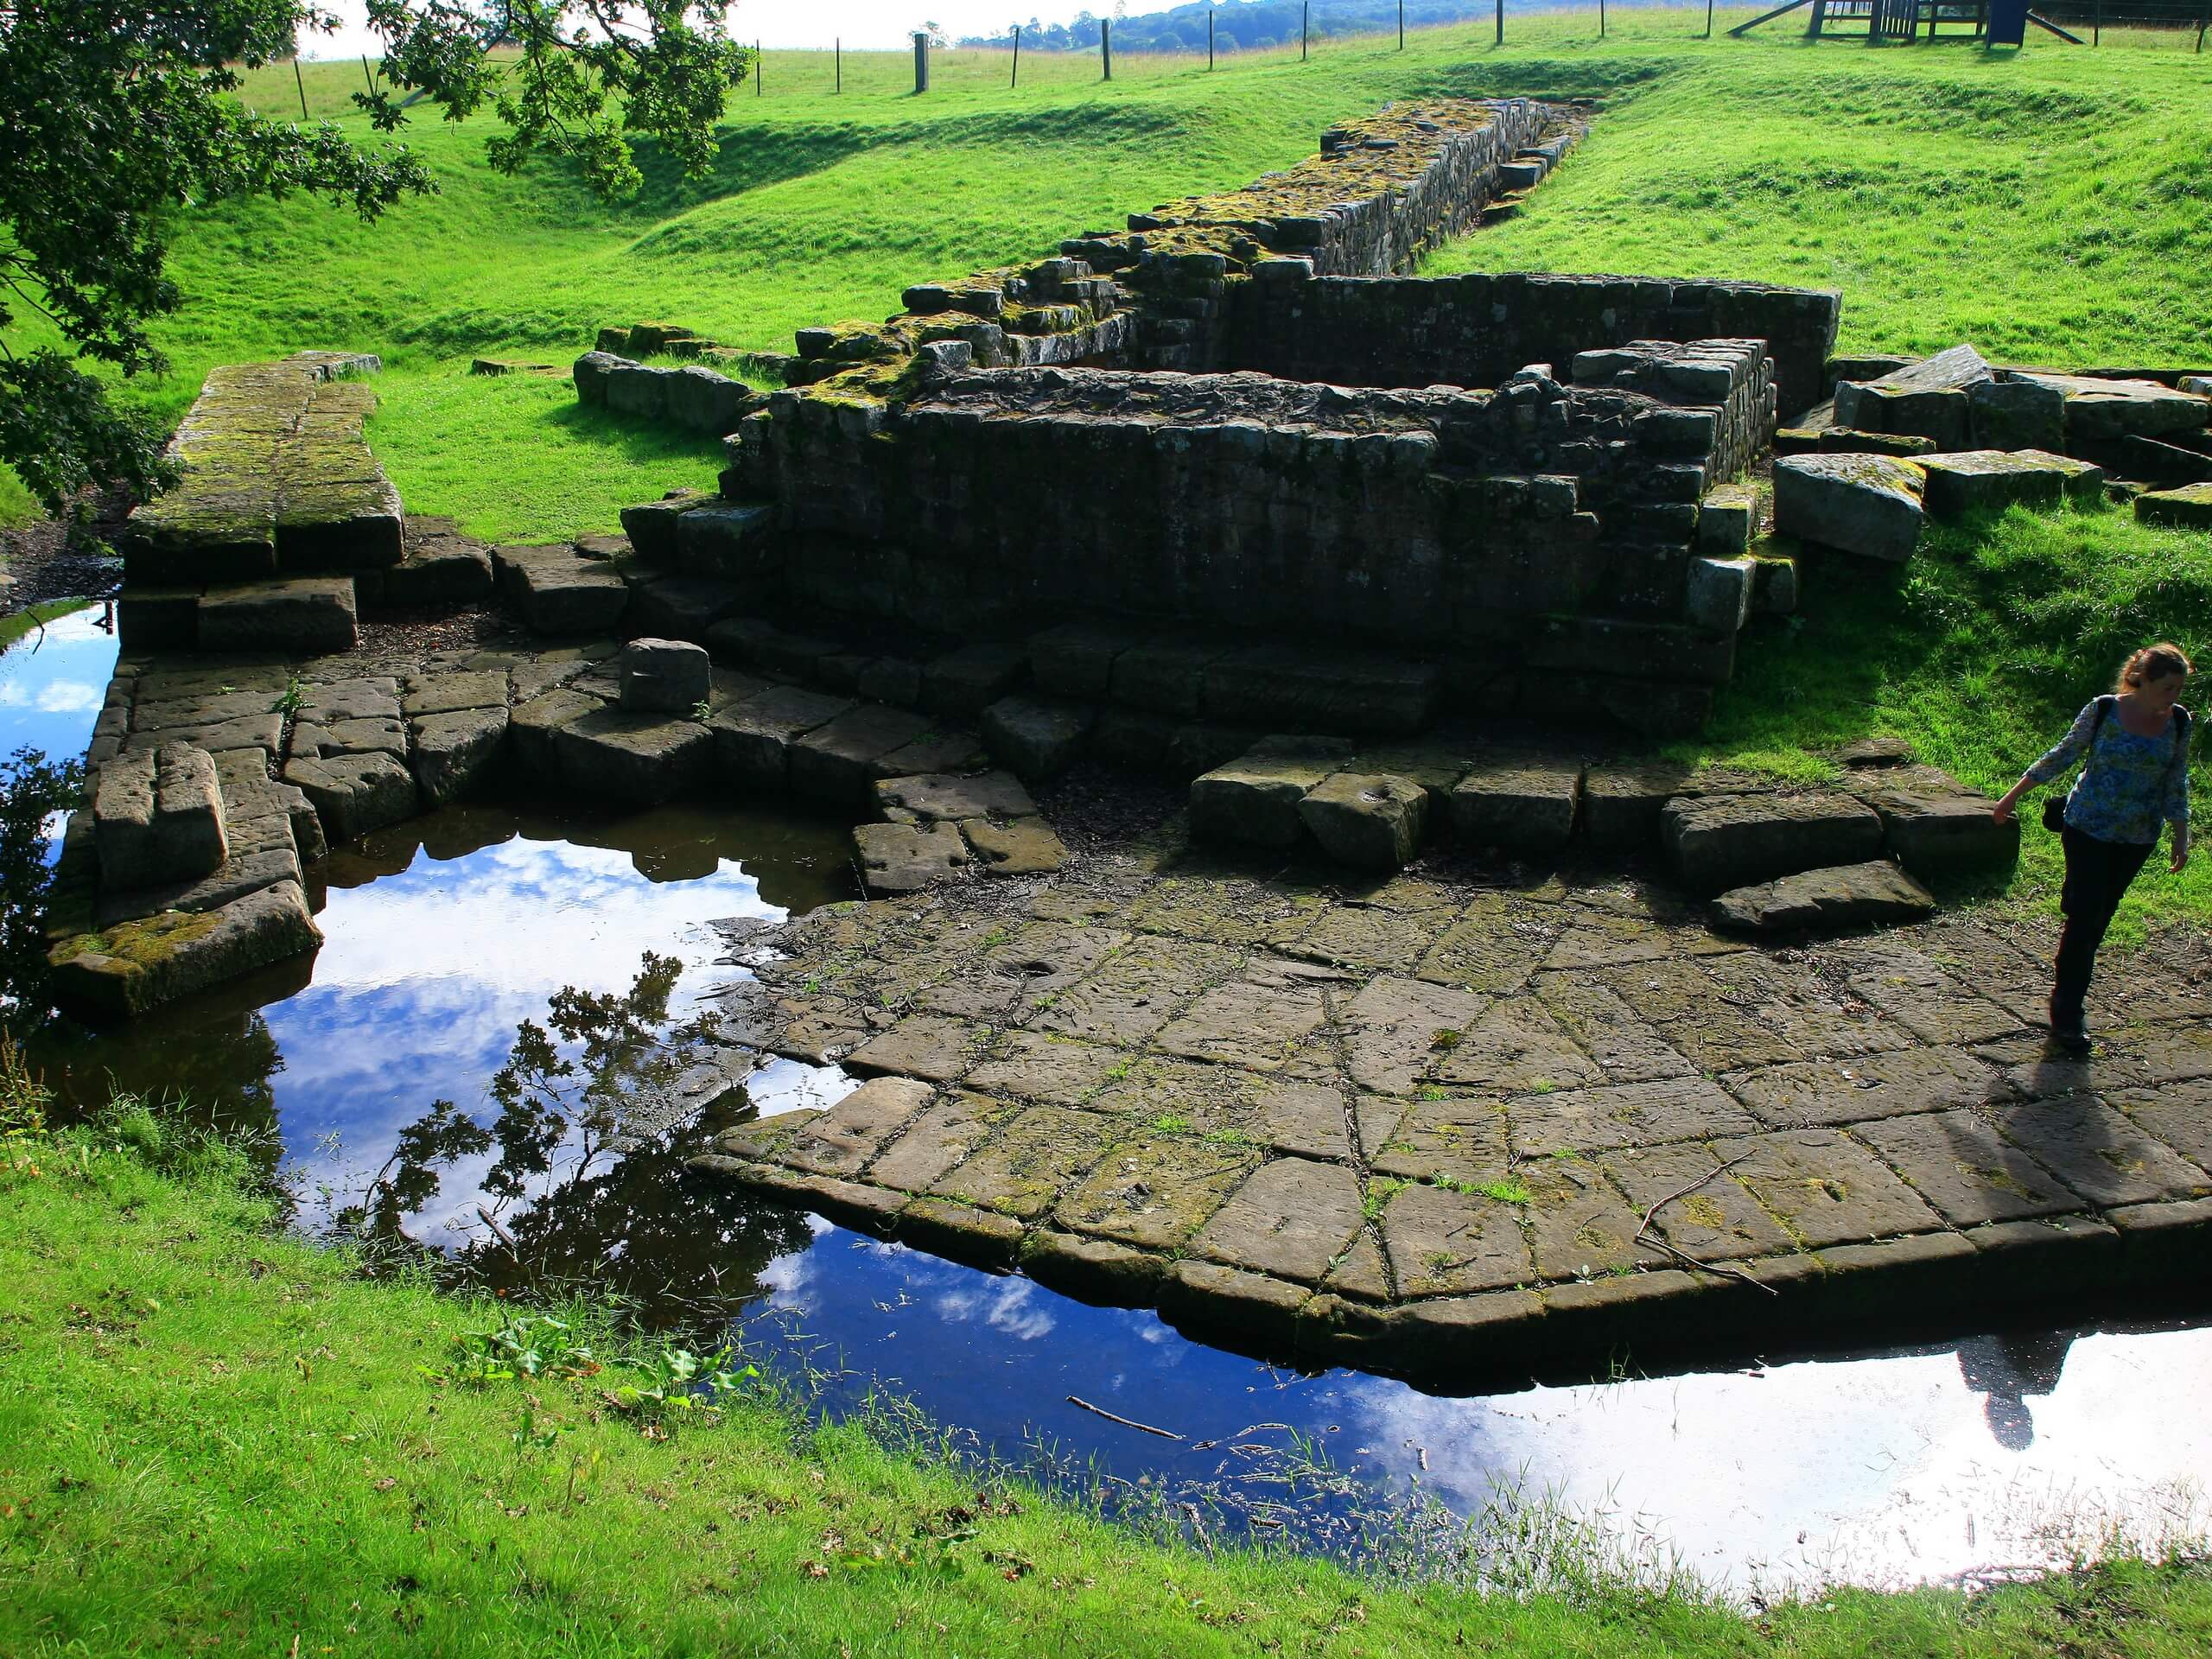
52 684
425 975
1884 1467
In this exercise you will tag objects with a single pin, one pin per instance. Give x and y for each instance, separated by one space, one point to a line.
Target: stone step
1824 900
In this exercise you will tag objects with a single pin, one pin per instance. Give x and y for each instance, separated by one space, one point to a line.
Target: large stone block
1524 803
1254 798
641 759
1928 397
2188 507
1036 738
962 683
1989 480
158 817
1720 842
353 794
455 748
1845 896
840 760
1934 833
1869 504
753 738
1346 693
439 570
2103 411
681 607
1371 821
2013 414
653 526
139 965
906 857
559 592
301 616
669 676
703 400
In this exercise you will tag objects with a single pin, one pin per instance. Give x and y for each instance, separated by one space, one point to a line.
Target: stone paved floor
1421 1123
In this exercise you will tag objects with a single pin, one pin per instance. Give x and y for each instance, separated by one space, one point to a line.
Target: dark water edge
1919 1459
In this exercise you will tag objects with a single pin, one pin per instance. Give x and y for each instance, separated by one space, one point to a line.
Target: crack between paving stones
1347 1088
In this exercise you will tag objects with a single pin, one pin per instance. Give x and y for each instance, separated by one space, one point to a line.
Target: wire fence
1319 30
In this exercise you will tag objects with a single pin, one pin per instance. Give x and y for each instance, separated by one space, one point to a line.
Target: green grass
2041 204
2048 205
214 1438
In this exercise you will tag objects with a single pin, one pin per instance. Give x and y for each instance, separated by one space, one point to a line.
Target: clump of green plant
292 701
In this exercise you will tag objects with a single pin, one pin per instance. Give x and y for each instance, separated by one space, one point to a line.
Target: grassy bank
214 1438
2040 203
2045 205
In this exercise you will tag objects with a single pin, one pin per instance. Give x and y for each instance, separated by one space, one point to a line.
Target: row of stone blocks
1731 834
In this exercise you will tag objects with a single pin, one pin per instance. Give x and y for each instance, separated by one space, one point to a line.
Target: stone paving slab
1400 1123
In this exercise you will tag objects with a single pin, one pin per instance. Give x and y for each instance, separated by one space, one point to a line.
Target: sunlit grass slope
214 1439
2038 202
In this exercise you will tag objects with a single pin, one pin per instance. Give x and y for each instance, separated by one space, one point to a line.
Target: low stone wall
1536 523
276 474
1475 330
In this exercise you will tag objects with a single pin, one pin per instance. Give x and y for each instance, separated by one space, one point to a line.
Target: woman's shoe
2070 1040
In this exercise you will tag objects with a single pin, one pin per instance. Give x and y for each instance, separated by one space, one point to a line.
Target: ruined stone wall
1476 329
1440 520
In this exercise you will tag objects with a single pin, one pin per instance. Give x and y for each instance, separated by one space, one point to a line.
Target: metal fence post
921 61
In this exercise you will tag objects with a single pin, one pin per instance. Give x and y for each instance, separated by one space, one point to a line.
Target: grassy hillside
2049 205
214 1439
2040 204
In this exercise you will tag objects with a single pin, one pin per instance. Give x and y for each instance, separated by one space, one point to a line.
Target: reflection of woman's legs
2097 873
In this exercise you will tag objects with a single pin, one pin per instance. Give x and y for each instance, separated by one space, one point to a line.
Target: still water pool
1998 1450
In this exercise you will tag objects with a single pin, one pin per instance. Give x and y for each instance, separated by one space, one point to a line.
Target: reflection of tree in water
2009 1367
587 1185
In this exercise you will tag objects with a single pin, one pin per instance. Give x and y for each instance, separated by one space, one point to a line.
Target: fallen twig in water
1126 1422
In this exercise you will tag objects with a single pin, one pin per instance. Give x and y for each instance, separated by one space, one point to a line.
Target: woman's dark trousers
2097 873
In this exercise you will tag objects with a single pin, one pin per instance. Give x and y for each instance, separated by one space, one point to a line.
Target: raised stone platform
1447 1128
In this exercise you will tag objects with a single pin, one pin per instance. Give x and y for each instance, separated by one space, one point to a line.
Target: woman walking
2136 777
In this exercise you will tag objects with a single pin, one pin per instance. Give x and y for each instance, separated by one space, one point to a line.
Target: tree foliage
116 117
32 790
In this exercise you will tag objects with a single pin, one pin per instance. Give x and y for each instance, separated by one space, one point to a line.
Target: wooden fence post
837 60
1708 19
758 61
921 62
1402 25
1106 48
1501 22
301 83
1304 17
1601 19
1014 80
1209 40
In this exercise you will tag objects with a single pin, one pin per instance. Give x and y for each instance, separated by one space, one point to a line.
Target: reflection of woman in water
2136 779
2008 1368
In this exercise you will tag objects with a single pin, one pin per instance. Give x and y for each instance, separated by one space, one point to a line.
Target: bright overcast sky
810 23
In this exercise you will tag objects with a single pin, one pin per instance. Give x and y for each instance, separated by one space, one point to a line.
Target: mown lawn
215 1438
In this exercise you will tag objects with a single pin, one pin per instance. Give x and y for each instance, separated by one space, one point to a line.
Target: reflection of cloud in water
425 975
1884 1468
788 1085
1005 1306
526 915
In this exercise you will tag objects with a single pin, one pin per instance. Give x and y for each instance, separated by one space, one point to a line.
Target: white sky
791 23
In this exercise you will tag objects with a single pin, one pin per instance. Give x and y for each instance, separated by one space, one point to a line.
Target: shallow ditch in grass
2001 1452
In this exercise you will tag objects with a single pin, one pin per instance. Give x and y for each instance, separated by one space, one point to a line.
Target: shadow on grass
634 441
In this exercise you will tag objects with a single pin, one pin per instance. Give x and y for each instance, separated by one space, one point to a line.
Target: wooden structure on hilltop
1995 22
